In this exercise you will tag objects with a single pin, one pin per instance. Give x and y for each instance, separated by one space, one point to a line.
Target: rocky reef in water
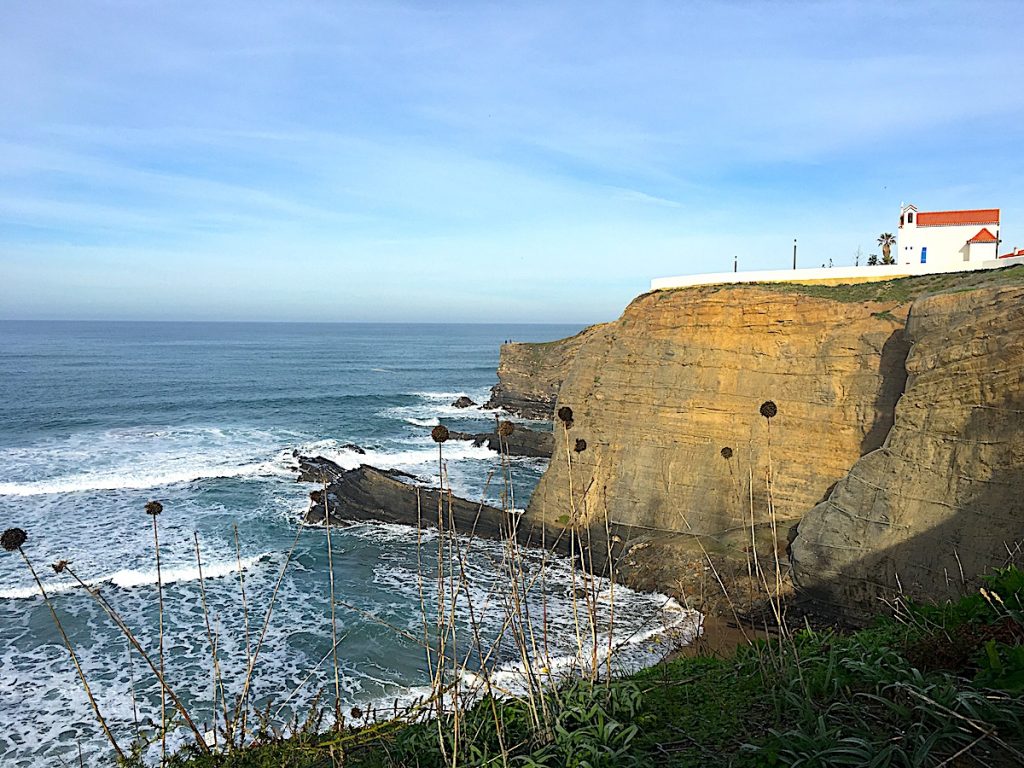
531 443
367 494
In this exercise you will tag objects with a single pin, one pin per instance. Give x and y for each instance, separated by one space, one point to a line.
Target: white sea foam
145 457
129 578
411 455
125 480
435 405
433 422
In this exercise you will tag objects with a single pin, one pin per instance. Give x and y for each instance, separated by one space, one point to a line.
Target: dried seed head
726 453
769 409
60 565
581 445
439 433
316 496
565 415
12 539
154 508
357 713
506 428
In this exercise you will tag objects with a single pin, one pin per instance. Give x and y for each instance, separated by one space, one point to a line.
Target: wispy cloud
369 148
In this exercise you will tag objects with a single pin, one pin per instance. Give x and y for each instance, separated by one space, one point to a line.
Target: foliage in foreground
932 686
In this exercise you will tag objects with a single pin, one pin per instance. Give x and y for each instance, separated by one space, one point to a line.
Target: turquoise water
98 418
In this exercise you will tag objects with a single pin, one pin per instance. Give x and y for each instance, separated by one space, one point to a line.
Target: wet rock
522 442
463 402
316 469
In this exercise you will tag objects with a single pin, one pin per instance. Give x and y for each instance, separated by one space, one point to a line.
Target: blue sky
478 161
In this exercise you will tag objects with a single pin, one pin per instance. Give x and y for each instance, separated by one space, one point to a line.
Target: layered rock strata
943 499
667 402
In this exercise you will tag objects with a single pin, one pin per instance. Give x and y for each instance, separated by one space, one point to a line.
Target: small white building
947 238
929 243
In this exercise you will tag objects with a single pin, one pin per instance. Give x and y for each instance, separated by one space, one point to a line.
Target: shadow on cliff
892 367
946 561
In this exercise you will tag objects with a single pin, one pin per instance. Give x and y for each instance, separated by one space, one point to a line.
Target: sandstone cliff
943 499
529 375
659 394
676 457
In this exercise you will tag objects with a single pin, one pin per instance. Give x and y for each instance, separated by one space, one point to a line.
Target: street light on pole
794 253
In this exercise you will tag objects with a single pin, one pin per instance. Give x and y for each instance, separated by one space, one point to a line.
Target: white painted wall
982 251
836 273
947 246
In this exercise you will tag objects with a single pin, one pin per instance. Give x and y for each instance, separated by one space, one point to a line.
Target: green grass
914 690
904 289
898 290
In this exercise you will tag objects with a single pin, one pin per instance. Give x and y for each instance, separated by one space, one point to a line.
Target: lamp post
794 253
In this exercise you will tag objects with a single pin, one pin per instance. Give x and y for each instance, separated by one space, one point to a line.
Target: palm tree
886 240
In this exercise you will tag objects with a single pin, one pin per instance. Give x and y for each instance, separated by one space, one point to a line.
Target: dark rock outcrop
367 494
463 402
522 442
317 469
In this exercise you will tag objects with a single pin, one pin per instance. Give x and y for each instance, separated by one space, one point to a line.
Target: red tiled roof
984 236
1011 254
952 218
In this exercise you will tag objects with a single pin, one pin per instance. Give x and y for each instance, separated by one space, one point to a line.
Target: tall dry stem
334 620
242 709
13 538
119 622
153 509
218 681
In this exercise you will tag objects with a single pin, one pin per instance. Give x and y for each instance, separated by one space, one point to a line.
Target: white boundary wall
882 271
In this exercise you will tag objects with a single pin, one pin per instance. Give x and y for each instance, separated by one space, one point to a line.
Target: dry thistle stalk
153 509
565 416
726 453
12 540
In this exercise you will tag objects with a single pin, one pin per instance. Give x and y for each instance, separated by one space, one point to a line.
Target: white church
947 238
929 242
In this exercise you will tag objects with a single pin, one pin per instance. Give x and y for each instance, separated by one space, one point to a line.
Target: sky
475 161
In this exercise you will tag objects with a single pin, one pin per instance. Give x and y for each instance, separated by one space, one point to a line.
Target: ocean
97 419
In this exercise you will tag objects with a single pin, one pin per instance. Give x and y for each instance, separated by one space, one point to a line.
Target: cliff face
530 375
943 500
676 459
659 394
